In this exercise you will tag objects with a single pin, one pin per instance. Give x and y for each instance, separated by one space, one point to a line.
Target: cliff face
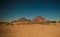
39 19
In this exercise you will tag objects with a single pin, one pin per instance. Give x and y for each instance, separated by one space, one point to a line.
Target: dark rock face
39 19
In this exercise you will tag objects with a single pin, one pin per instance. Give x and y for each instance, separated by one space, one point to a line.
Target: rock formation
39 19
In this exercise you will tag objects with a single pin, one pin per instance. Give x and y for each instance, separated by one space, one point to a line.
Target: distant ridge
22 20
39 19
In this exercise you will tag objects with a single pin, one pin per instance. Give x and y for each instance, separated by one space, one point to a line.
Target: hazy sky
15 9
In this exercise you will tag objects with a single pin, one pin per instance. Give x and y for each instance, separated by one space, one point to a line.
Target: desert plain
33 30
38 27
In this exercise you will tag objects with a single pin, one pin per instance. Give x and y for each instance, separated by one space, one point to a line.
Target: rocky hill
39 19
22 20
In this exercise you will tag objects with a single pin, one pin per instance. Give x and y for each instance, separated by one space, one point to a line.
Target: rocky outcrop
39 19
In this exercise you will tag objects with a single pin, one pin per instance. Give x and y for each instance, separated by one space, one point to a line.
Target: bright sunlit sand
36 30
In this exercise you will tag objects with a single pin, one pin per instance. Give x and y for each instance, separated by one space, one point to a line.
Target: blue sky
16 9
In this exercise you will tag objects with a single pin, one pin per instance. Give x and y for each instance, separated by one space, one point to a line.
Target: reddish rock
22 20
39 19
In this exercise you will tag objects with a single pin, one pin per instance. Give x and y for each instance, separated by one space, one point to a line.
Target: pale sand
30 30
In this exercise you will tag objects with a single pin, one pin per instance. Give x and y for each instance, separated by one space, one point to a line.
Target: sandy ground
30 30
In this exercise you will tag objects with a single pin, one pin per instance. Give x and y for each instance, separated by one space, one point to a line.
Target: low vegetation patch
31 23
